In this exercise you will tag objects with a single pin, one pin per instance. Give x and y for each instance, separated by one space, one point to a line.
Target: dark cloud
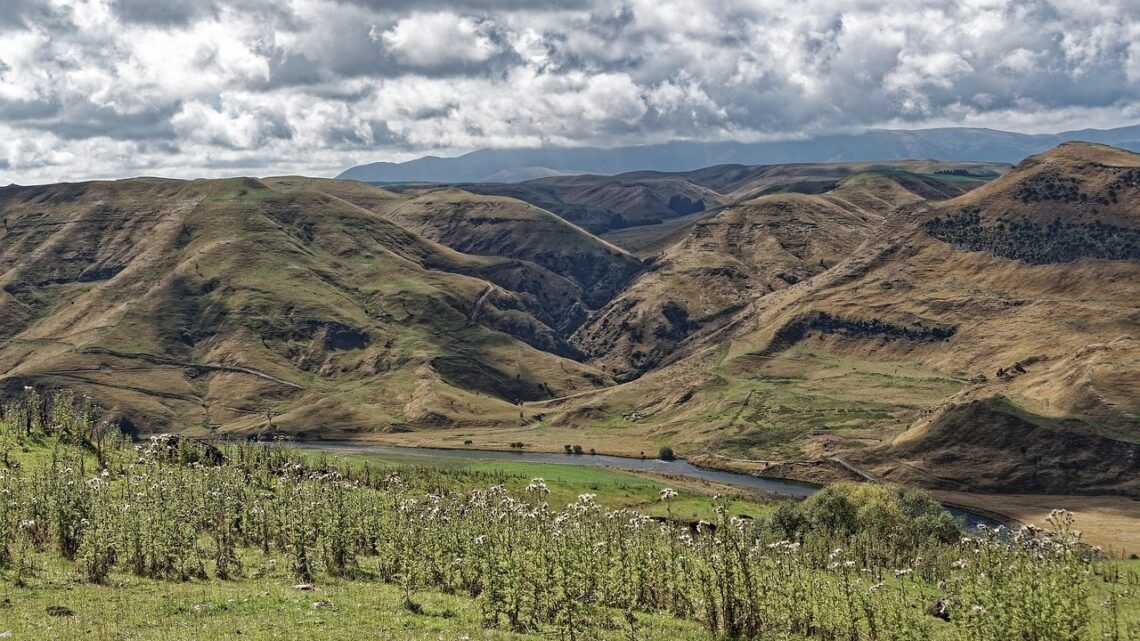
166 12
21 13
85 122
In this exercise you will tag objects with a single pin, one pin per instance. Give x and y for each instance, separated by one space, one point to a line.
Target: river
781 487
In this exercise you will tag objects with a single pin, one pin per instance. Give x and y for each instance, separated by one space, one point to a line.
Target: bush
666 454
845 509
1034 244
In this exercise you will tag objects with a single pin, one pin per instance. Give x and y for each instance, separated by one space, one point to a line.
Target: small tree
666 454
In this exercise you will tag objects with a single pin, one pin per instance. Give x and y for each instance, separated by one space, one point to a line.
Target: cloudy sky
113 88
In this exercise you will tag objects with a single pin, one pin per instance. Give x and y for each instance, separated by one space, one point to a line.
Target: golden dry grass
1112 522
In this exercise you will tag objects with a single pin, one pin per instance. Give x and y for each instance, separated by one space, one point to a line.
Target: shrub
666 454
1024 240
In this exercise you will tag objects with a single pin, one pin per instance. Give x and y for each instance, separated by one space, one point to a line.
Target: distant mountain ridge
949 143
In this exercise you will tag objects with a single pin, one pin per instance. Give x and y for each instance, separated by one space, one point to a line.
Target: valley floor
1110 522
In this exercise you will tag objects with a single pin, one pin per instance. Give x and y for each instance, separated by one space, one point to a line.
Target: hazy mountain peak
947 143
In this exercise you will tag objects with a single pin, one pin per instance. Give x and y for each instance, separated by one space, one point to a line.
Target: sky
201 88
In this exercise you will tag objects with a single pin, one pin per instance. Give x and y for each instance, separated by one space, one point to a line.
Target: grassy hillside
219 305
649 198
1055 335
729 262
497 226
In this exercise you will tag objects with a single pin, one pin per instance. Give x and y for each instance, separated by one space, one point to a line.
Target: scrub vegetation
86 514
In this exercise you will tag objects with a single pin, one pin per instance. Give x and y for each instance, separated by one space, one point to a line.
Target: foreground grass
266 608
176 539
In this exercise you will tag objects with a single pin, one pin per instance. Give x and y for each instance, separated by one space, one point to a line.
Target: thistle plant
854 563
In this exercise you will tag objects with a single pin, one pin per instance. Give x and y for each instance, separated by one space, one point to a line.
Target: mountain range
964 326
949 143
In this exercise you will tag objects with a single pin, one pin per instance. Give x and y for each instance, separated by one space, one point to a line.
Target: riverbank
775 487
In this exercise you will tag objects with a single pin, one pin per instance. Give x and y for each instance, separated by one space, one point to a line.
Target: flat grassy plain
766 409
614 489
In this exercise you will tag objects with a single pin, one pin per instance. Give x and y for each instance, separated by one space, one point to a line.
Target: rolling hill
953 325
224 304
649 198
564 270
981 343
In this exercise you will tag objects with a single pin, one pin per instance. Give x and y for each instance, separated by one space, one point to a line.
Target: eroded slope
219 304
1031 299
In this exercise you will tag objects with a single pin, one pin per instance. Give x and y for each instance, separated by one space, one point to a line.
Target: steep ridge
728 262
992 445
1024 289
224 305
498 226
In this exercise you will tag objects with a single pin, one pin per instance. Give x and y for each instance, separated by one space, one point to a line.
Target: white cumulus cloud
106 88
437 39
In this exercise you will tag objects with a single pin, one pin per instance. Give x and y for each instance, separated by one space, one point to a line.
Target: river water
781 487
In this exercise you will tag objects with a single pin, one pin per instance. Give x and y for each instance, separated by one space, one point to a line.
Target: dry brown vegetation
811 314
214 305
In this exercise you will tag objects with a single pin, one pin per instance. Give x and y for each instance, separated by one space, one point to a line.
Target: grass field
764 409
261 608
614 489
